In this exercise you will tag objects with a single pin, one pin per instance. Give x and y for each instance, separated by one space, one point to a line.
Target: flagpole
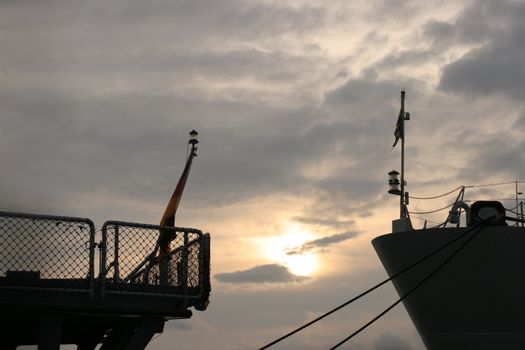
402 213
168 218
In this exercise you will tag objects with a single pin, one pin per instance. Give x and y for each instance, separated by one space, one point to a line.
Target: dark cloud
318 245
404 58
92 102
478 22
332 223
70 150
196 22
495 67
270 273
365 93
439 31
390 341
494 156
60 147
385 10
223 18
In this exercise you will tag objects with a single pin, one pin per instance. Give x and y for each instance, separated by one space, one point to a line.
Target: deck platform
61 282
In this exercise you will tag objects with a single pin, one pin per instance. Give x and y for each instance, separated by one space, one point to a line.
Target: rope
442 224
423 219
491 199
446 261
469 186
432 211
438 196
428 256
495 184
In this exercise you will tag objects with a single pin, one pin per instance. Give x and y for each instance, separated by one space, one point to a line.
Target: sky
295 103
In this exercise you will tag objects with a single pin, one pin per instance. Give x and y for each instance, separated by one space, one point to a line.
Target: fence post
163 271
202 250
91 273
116 272
102 274
185 267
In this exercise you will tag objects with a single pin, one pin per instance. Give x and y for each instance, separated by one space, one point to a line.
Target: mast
403 223
402 212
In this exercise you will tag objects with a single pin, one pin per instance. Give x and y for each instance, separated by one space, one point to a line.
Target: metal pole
103 252
521 213
460 196
185 268
402 213
517 215
116 270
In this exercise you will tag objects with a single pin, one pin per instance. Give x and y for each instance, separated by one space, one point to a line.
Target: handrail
65 219
140 268
188 279
117 223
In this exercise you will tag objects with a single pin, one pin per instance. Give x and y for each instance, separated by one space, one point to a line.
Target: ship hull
476 300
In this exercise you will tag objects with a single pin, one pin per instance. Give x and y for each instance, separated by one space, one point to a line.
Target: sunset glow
296 103
284 250
302 265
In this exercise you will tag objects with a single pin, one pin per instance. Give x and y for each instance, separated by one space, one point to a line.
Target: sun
284 249
302 265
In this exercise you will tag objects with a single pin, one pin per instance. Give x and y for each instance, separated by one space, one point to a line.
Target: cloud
495 67
270 273
390 341
478 22
495 156
409 58
317 245
439 31
96 104
198 323
332 223
70 150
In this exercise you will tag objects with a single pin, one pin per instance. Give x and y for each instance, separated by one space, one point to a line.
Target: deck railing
131 261
54 252
48 252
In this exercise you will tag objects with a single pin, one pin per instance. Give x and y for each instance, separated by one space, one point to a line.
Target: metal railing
46 252
54 252
131 264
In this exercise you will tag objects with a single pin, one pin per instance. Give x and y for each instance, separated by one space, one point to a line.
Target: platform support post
145 331
50 332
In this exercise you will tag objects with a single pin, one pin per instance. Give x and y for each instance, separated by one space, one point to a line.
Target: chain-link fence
133 263
42 251
53 252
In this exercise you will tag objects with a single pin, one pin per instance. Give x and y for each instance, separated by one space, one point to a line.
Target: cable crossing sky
426 257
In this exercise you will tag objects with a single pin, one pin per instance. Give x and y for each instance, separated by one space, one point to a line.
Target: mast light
193 137
394 183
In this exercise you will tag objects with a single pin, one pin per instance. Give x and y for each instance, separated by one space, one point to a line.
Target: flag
399 133
168 218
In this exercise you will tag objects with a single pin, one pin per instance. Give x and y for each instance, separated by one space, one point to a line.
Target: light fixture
393 182
193 137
